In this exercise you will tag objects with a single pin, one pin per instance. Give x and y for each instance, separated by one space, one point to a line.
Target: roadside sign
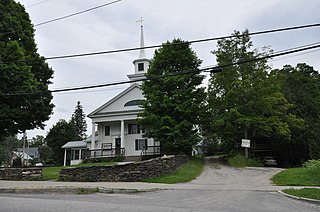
245 143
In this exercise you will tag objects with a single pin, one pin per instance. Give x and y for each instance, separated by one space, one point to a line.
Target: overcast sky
114 27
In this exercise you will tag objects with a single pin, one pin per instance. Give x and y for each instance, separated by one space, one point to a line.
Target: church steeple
142 53
141 64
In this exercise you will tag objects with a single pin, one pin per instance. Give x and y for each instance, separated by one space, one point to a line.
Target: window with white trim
75 154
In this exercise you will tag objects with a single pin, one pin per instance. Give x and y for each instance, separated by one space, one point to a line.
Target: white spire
141 64
142 53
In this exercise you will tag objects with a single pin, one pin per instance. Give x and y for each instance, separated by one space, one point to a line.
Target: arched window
135 102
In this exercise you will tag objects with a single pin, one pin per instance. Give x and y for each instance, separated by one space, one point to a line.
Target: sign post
246 144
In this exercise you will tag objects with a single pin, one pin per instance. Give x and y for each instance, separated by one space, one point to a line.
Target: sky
114 27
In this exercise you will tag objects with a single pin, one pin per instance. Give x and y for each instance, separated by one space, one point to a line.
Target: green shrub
312 163
241 161
313 169
104 159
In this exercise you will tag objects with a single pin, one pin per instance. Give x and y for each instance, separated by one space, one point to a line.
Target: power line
63 17
35 4
77 13
192 41
286 50
211 69
296 55
268 56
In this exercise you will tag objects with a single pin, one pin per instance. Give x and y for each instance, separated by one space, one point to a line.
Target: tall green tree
37 141
79 120
25 102
9 144
173 105
245 101
301 86
61 133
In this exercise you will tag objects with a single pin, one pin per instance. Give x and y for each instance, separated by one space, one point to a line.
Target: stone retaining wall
130 172
21 173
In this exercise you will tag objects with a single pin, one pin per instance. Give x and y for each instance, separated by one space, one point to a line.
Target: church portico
119 136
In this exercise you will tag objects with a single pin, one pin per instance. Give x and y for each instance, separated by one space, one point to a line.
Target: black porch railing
99 153
151 150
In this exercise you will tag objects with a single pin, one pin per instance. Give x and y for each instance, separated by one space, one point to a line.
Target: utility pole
24 147
246 136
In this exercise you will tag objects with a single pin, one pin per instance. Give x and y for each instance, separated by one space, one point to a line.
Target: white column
80 158
122 134
65 157
93 138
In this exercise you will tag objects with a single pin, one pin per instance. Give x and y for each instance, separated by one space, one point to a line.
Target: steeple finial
142 53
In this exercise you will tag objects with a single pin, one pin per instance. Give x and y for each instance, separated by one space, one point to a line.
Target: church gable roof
119 102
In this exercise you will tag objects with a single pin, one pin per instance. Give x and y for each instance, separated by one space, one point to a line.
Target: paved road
219 188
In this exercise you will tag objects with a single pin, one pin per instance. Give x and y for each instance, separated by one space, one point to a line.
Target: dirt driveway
219 175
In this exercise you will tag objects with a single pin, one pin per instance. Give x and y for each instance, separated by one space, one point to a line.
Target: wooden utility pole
246 136
24 147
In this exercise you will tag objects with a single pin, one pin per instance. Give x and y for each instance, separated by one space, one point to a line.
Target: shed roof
74 144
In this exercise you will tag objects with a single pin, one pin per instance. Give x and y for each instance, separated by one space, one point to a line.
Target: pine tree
78 118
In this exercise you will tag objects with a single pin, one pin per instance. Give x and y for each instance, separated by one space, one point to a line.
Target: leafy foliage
22 70
245 100
301 86
79 120
174 104
104 159
7 145
241 161
37 141
61 133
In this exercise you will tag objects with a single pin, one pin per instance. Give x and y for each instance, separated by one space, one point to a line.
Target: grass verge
241 161
52 173
311 193
297 177
188 172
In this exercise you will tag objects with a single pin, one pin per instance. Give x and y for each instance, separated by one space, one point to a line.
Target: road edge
314 201
75 190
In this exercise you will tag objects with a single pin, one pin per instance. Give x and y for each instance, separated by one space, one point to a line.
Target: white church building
114 127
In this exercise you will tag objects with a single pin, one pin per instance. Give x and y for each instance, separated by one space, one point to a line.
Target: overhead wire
77 13
35 4
212 69
192 41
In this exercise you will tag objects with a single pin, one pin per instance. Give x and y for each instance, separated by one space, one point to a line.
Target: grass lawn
52 173
297 177
311 193
241 161
188 172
